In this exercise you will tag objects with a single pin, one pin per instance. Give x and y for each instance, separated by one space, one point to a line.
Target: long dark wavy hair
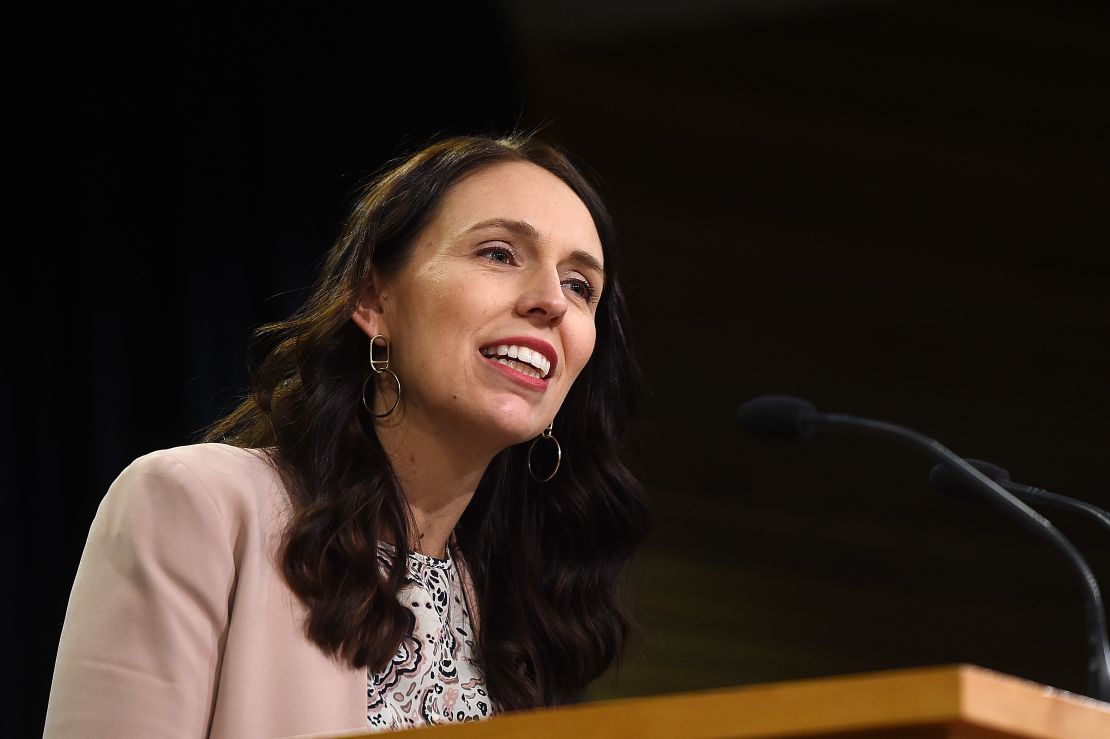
547 560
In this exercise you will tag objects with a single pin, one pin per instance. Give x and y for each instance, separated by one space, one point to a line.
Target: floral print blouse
434 676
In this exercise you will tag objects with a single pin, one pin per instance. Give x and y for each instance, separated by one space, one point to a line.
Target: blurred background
896 209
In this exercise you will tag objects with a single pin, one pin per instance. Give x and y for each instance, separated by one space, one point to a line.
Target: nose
542 299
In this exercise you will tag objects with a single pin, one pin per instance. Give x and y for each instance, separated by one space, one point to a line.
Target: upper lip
531 342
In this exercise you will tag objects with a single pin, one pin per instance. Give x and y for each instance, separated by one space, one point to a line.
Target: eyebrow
527 230
520 228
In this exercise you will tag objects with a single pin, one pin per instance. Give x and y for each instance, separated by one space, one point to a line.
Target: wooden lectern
960 702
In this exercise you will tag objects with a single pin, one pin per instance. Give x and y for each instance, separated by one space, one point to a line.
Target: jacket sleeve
140 649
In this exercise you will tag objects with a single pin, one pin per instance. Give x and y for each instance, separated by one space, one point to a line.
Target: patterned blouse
434 676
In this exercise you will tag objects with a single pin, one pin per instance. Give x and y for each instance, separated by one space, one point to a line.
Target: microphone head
948 482
777 417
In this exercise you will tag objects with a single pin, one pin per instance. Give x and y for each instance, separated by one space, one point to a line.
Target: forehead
520 191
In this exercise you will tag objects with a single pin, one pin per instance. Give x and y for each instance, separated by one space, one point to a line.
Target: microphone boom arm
1098 666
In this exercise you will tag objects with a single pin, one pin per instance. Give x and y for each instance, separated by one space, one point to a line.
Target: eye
580 287
500 253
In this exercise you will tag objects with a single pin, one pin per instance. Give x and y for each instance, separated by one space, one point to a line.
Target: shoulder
209 464
215 481
178 533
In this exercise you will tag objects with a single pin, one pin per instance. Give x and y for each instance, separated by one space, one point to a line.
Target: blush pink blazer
179 623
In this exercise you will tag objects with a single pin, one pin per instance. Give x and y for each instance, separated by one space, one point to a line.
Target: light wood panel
960 702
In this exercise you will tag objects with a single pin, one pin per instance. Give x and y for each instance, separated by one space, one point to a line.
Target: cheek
439 318
579 347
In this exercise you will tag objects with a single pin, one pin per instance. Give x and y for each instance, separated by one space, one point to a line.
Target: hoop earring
545 434
380 366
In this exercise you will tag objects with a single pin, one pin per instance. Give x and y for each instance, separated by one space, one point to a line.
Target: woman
420 513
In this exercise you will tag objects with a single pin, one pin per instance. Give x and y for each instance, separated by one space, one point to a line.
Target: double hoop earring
380 367
545 435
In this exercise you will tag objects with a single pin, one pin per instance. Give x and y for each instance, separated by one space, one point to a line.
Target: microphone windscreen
777 417
948 482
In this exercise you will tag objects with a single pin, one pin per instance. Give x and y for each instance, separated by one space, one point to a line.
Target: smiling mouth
522 359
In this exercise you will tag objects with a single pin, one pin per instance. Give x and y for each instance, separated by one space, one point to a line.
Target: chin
506 431
514 419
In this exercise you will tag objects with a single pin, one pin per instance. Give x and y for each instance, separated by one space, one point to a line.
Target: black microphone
944 480
786 417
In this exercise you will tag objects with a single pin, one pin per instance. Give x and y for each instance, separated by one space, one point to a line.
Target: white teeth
526 359
523 369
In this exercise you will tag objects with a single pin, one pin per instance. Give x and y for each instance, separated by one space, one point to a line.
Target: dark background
892 208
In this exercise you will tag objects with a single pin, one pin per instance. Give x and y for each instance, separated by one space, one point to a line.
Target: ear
369 313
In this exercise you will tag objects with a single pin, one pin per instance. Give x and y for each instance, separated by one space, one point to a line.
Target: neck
438 476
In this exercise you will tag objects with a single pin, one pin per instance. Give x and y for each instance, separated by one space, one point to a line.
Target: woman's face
492 318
